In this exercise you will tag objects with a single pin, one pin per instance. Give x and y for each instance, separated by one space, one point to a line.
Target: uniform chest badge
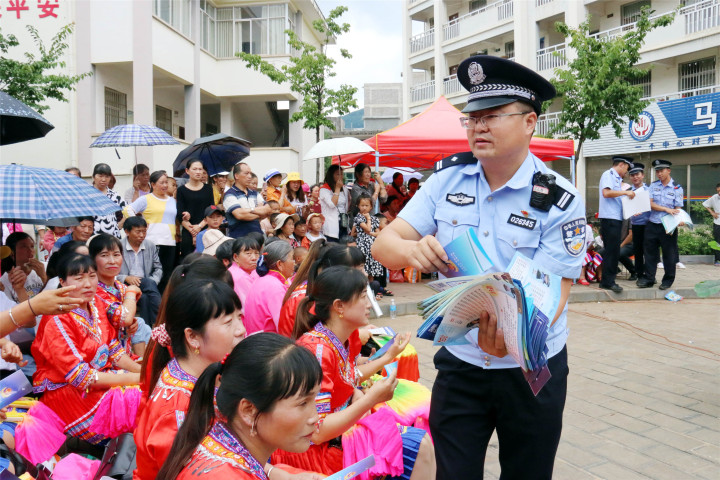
460 199
522 221
573 236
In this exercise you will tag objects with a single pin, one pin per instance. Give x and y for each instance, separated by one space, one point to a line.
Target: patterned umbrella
18 122
133 136
46 196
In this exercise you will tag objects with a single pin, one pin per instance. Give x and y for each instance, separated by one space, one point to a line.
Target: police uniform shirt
640 218
458 198
610 207
670 196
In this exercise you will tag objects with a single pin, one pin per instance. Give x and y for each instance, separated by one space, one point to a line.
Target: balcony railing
422 41
540 3
422 91
701 16
547 59
487 15
546 123
684 94
451 85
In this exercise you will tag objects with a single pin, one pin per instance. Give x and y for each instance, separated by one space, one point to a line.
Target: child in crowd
300 233
265 224
51 235
367 228
383 221
213 218
314 227
172 187
299 255
592 265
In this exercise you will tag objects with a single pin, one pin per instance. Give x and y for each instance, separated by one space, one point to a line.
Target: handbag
119 458
396 276
345 221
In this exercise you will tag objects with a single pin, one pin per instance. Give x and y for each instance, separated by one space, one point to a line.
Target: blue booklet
354 470
466 256
13 387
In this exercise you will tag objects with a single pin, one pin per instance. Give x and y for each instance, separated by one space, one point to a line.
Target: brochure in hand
354 470
523 299
671 222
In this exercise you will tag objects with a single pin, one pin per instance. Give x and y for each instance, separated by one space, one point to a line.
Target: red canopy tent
433 135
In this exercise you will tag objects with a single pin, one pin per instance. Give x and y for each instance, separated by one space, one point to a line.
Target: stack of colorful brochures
524 300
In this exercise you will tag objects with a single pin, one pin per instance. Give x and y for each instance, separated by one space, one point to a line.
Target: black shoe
664 287
642 283
614 287
633 277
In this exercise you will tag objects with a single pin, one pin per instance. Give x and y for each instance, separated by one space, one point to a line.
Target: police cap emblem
475 72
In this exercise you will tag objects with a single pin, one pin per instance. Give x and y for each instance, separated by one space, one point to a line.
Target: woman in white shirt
22 264
334 205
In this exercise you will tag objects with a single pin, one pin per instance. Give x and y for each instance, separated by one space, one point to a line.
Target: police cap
660 164
637 167
494 81
620 158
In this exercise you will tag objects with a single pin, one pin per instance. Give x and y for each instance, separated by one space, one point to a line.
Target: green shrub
695 242
699 214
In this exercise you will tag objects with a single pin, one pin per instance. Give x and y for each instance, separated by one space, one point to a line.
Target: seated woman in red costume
341 306
329 255
202 324
79 359
120 300
264 401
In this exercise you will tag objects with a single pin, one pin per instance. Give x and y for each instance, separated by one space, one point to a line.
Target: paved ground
643 392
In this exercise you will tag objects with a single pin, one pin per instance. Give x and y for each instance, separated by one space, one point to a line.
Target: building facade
172 64
682 86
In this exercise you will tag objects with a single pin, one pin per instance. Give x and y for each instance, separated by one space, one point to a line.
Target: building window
696 75
163 119
510 49
477 4
644 82
175 13
115 108
631 11
256 29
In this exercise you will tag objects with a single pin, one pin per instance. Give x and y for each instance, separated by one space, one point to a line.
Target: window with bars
645 82
510 49
631 11
696 75
115 108
163 119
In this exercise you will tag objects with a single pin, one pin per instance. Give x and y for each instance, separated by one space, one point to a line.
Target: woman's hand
134 289
49 302
37 266
11 353
17 278
185 216
401 341
384 389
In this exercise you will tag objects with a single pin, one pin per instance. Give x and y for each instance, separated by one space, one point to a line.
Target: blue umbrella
47 196
132 135
219 153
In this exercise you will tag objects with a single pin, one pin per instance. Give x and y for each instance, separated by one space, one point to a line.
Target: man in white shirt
712 205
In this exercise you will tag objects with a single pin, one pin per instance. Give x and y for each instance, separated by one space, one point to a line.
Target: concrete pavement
643 393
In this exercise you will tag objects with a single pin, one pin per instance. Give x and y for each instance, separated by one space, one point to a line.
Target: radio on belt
543 191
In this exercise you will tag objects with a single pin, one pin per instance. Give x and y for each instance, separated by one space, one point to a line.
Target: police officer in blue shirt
638 222
611 217
666 197
515 204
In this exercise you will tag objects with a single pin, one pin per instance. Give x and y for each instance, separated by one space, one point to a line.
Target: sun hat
322 217
306 188
271 173
212 239
292 177
281 218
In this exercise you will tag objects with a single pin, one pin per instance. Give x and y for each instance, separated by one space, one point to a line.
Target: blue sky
374 40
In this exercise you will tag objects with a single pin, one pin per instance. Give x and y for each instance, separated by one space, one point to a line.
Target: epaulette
464 158
677 185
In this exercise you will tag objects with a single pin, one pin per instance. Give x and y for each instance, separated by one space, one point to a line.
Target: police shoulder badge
475 72
573 233
460 199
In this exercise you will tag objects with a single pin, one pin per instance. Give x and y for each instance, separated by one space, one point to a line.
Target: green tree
27 80
308 73
595 86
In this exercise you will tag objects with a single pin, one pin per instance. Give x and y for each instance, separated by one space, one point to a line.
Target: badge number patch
573 237
460 199
523 222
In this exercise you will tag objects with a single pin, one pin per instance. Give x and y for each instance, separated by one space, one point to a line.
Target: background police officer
611 216
666 197
638 222
505 194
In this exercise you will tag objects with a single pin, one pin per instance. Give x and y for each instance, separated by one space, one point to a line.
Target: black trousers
656 238
638 232
167 259
716 236
469 403
149 302
610 230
